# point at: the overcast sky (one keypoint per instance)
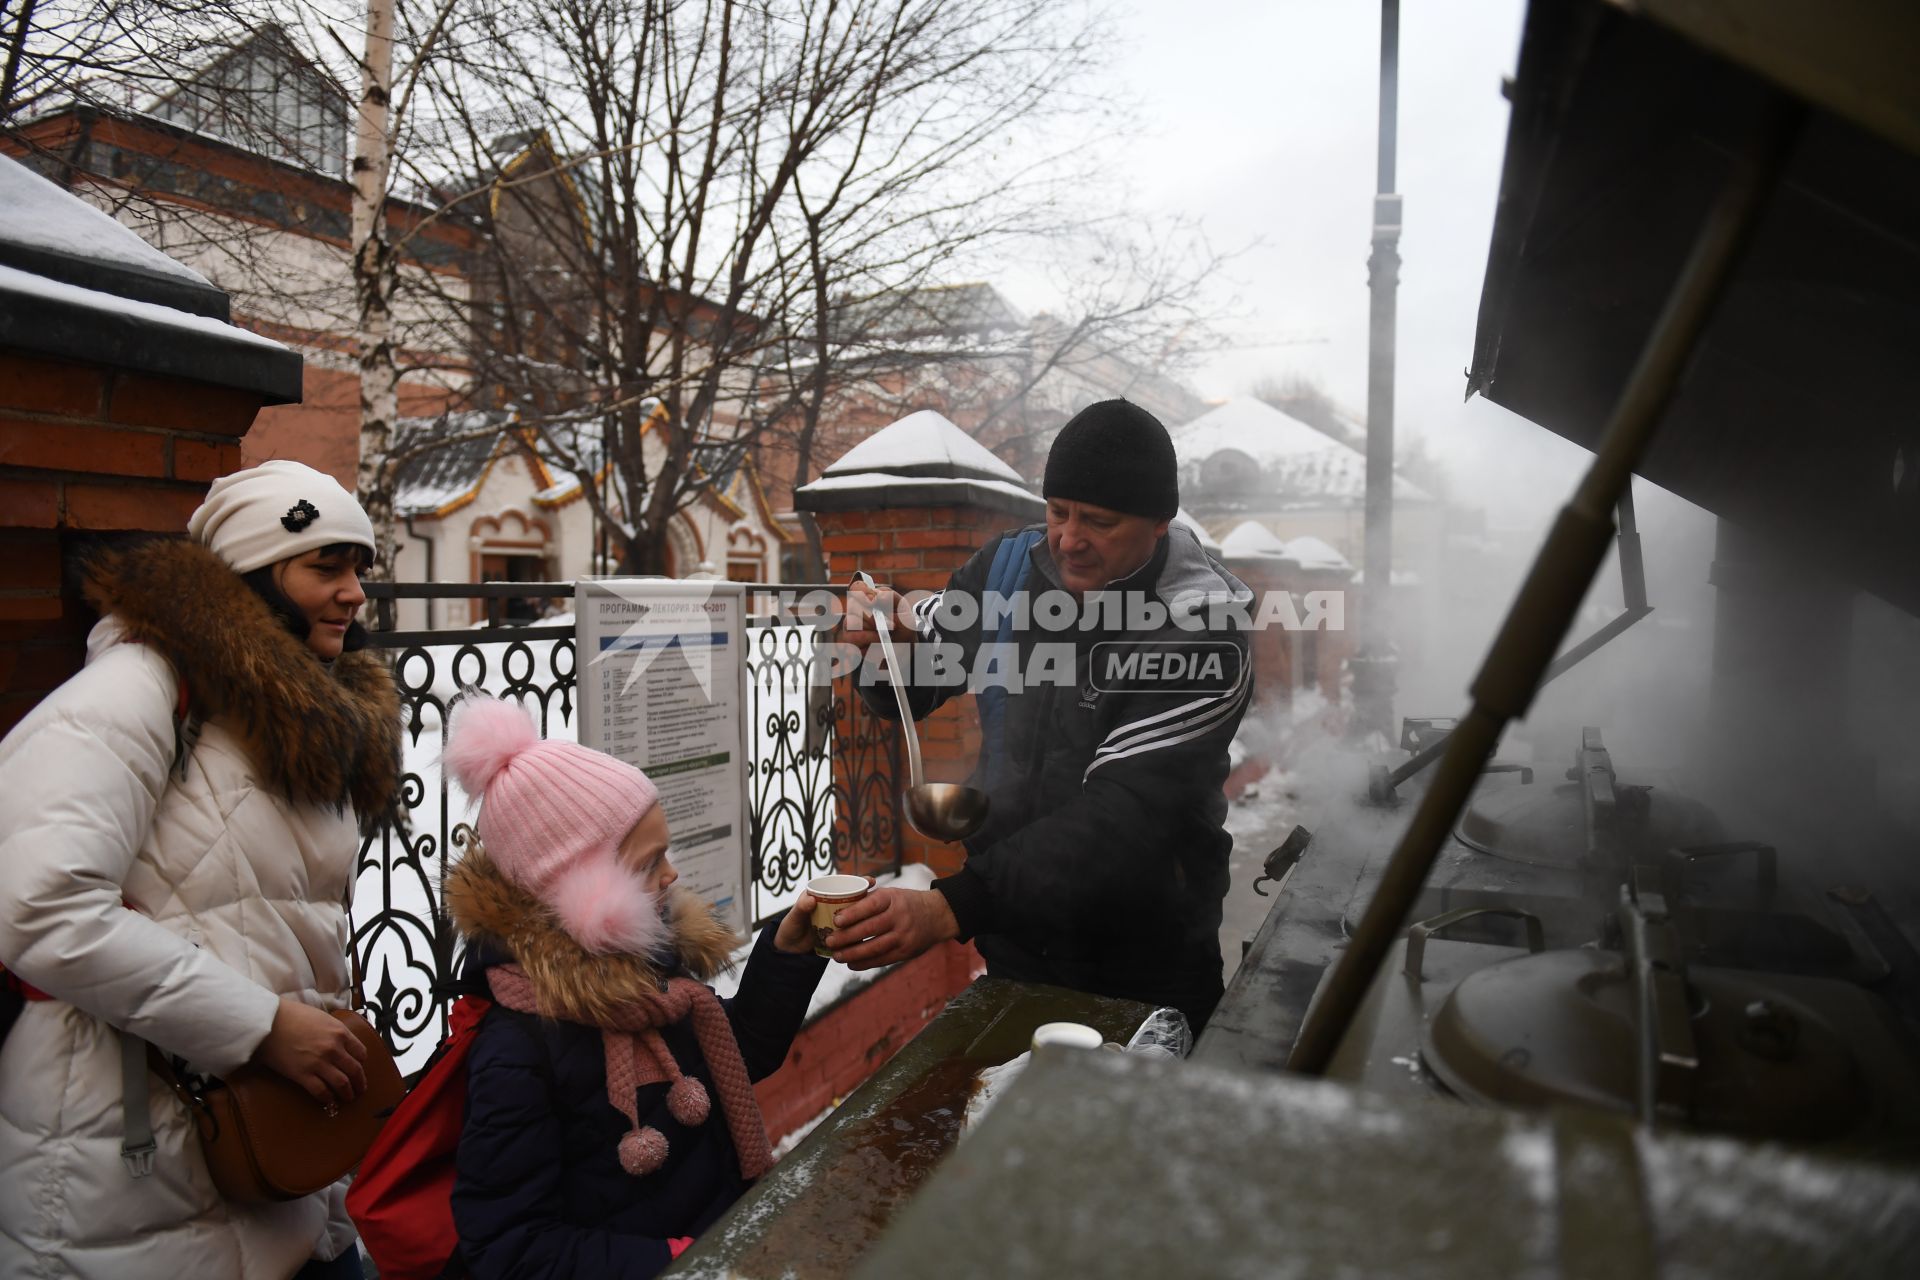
(1258, 118)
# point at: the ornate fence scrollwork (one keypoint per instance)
(408, 950)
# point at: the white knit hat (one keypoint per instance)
(264, 514)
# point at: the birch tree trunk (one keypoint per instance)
(373, 280)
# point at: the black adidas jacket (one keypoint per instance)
(1103, 863)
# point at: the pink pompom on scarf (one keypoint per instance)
(636, 1055)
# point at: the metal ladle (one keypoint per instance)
(945, 811)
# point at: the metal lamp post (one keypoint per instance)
(1373, 664)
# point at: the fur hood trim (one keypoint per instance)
(318, 735)
(571, 983)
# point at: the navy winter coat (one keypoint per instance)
(1103, 862)
(539, 1190)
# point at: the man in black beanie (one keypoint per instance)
(1103, 862)
(1112, 486)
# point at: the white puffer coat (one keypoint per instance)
(237, 866)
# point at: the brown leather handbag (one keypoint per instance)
(265, 1138)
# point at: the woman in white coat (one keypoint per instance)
(184, 878)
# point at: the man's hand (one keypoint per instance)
(311, 1048)
(864, 603)
(891, 925)
(795, 934)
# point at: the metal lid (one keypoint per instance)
(1559, 1027)
(1547, 826)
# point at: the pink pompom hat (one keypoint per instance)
(552, 816)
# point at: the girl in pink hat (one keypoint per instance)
(610, 1107)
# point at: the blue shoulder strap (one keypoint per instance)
(1008, 574)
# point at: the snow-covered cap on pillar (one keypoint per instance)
(1251, 540)
(922, 460)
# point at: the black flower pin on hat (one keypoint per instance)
(299, 516)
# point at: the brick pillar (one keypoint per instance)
(88, 452)
(1271, 649)
(916, 549)
(1335, 647)
(909, 505)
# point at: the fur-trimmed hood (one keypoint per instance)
(573, 984)
(318, 735)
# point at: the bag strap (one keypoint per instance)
(137, 1146)
(137, 1058)
(184, 730)
(136, 1142)
(1008, 574)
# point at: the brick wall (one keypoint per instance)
(323, 430)
(844, 1045)
(86, 454)
(1271, 649)
(913, 549)
(1334, 647)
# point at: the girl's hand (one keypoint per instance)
(313, 1050)
(795, 934)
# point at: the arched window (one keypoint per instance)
(510, 547)
(1229, 473)
(686, 553)
(746, 555)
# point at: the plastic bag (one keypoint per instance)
(1163, 1035)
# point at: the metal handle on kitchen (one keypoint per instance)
(1418, 934)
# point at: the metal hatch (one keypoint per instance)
(1796, 414)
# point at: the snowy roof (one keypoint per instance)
(1251, 538)
(52, 233)
(429, 481)
(90, 324)
(1312, 553)
(925, 443)
(40, 215)
(107, 306)
(1252, 426)
(1199, 530)
(75, 284)
(1295, 460)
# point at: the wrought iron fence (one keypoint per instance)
(406, 945)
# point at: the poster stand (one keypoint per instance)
(662, 684)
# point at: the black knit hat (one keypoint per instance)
(1115, 454)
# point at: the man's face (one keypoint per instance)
(1092, 546)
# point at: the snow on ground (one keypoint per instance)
(793, 1139)
(1266, 806)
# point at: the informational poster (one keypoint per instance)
(662, 684)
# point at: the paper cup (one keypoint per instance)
(1075, 1035)
(830, 893)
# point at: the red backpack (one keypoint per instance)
(402, 1198)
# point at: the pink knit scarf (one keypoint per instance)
(636, 1055)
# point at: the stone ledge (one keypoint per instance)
(878, 490)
